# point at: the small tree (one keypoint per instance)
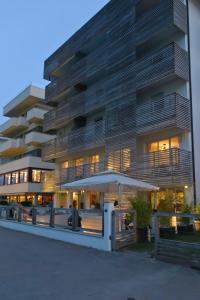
(187, 209)
(166, 205)
(143, 210)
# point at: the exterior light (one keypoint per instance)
(186, 187)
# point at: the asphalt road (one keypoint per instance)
(34, 268)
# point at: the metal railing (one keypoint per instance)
(79, 139)
(87, 221)
(169, 111)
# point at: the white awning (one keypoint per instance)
(109, 181)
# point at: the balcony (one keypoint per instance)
(163, 20)
(12, 126)
(28, 97)
(167, 112)
(12, 147)
(37, 138)
(76, 106)
(84, 40)
(168, 63)
(79, 140)
(77, 73)
(167, 168)
(79, 172)
(36, 115)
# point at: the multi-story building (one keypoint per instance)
(21, 167)
(125, 92)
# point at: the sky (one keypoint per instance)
(30, 31)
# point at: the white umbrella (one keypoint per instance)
(109, 181)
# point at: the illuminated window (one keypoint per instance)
(125, 159)
(24, 176)
(36, 176)
(79, 167)
(161, 155)
(119, 160)
(65, 164)
(8, 179)
(15, 177)
(94, 163)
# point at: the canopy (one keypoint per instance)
(109, 181)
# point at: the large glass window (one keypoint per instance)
(8, 179)
(36, 175)
(15, 177)
(24, 176)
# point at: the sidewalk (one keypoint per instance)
(36, 268)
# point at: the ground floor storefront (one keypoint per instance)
(28, 199)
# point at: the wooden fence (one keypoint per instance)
(178, 247)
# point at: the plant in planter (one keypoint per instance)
(144, 212)
(185, 226)
(166, 205)
(197, 220)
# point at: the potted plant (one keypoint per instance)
(166, 205)
(197, 220)
(185, 226)
(143, 213)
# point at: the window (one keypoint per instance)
(94, 163)
(125, 159)
(24, 176)
(8, 179)
(1, 179)
(65, 164)
(15, 177)
(120, 160)
(36, 175)
(161, 156)
(79, 167)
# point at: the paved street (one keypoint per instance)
(36, 268)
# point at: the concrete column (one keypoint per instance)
(108, 208)
(35, 200)
(68, 199)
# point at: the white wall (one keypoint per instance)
(194, 22)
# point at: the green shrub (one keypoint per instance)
(187, 209)
(143, 210)
(166, 205)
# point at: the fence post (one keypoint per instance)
(52, 218)
(157, 232)
(108, 208)
(19, 219)
(34, 214)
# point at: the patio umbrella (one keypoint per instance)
(109, 181)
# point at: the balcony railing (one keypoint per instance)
(168, 168)
(166, 64)
(79, 72)
(164, 19)
(76, 106)
(80, 139)
(170, 111)
(171, 167)
(79, 172)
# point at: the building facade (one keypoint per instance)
(124, 91)
(21, 168)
